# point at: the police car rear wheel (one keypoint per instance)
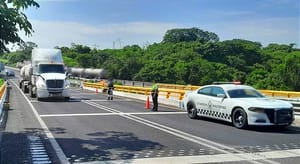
(239, 118)
(192, 111)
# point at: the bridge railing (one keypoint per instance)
(168, 93)
(283, 94)
(181, 89)
(178, 91)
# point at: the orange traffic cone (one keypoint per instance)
(147, 103)
(96, 90)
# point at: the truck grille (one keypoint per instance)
(282, 116)
(55, 84)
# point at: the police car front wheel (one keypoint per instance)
(192, 111)
(239, 118)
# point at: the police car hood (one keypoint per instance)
(264, 102)
(53, 76)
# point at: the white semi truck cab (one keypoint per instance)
(47, 75)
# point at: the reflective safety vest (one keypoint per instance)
(154, 87)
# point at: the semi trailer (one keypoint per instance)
(45, 76)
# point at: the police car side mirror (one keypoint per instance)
(220, 95)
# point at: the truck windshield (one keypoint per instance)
(51, 68)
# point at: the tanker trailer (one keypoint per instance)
(25, 77)
(94, 73)
(76, 72)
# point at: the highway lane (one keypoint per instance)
(90, 128)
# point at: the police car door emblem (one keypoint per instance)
(209, 105)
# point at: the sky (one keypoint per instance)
(117, 23)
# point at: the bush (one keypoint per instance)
(1, 82)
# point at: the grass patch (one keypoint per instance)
(1, 82)
(5, 61)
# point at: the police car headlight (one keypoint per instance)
(258, 110)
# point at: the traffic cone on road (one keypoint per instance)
(147, 103)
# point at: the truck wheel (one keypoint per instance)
(26, 90)
(192, 111)
(32, 95)
(239, 118)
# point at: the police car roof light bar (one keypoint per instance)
(220, 82)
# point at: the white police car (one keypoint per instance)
(240, 104)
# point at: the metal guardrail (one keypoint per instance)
(178, 91)
(183, 88)
(4, 101)
(140, 90)
(285, 94)
(2, 90)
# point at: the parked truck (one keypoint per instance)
(45, 76)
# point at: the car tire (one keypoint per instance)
(32, 95)
(239, 118)
(192, 111)
(26, 90)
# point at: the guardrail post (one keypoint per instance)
(181, 96)
(168, 95)
(6, 102)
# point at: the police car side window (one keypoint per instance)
(217, 90)
(205, 91)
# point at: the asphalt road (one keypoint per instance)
(90, 129)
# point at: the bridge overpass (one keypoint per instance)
(90, 129)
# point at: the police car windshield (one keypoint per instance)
(244, 93)
(51, 68)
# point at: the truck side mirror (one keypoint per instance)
(68, 74)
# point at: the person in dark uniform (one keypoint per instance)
(110, 89)
(154, 94)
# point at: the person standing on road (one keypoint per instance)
(154, 94)
(110, 89)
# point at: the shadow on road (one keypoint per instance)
(265, 129)
(61, 100)
(103, 146)
(100, 146)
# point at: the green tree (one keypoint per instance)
(13, 20)
(189, 35)
(292, 71)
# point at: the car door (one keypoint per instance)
(218, 104)
(202, 100)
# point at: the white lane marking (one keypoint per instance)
(109, 114)
(218, 158)
(198, 140)
(95, 100)
(59, 152)
(154, 125)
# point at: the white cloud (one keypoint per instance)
(265, 31)
(59, 33)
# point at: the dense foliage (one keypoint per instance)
(13, 20)
(197, 58)
(1, 82)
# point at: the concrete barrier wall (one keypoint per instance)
(172, 101)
